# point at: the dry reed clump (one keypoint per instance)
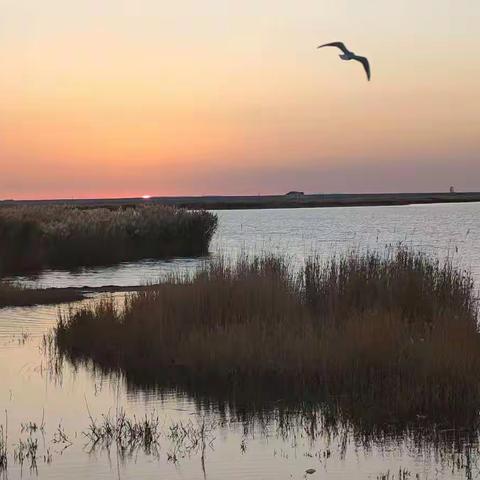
(396, 332)
(36, 237)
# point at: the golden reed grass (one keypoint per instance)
(395, 333)
(36, 237)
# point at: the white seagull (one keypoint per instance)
(348, 55)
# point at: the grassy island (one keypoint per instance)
(37, 237)
(397, 332)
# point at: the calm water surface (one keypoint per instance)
(32, 391)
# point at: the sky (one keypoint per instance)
(117, 98)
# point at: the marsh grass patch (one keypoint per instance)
(37, 237)
(390, 336)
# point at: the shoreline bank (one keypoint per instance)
(25, 297)
(225, 202)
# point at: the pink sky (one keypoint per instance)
(125, 98)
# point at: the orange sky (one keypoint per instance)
(123, 98)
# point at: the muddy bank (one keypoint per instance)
(17, 296)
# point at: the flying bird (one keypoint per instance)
(348, 55)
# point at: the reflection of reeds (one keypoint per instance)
(56, 236)
(395, 333)
(26, 451)
(401, 474)
(3, 446)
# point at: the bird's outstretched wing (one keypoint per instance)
(339, 45)
(366, 65)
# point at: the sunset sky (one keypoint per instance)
(128, 97)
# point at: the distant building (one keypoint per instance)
(452, 190)
(295, 194)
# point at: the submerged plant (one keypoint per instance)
(3, 446)
(189, 437)
(128, 434)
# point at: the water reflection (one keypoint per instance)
(250, 434)
(145, 431)
(332, 435)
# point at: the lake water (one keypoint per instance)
(62, 400)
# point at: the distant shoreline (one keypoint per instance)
(266, 201)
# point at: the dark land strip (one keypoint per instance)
(26, 297)
(266, 201)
